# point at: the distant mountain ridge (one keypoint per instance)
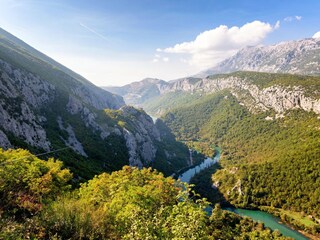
(295, 57)
(137, 92)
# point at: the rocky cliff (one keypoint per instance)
(45, 107)
(278, 97)
(293, 57)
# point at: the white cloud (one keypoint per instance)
(165, 59)
(158, 58)
(212, 46)
(316, 35)
(292, 18)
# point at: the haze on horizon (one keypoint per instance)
(117, 42)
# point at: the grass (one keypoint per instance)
(305, 220)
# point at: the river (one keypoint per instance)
(268, 219)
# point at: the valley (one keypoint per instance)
(267, 125)
(140, 161)
(267, 219)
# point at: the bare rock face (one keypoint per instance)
(26, 99)
(22, 92)
(277, 98)
(76, 106)
(98, 98)
(298, 57)
(141, 142)
(4, 141)
(72, 140)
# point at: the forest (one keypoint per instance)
(275, 163)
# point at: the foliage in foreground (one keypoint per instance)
(127, 204)
(27, 183)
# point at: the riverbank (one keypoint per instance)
(203, 185)
(307, 225)
(177, 174)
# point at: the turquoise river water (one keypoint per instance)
(268, 219)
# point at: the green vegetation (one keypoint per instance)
(159, 105)
(171, 101)
(164, 161)
(26, 182)
(310, 84)
(203, 185)
(90, 124)
(37, 203)
(299, 220)
(274, 163)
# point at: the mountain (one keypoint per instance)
(45, 107)
(296, 57)
(267, 125)
(138, 92)
(257, 91)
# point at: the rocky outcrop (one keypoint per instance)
(97, 97)
(72, 140)
(4, 141)
(277, 98)
(30, 107)
(21, 94)
(142, 137)
(76, 106)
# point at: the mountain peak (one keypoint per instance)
(296, 57)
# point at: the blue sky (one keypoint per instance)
(114, 42)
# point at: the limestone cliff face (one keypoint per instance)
(26, 100)
(45, 106)
(22, 93)
(277, 98)
(142, 137)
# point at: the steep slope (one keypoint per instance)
(257, 91)
(265, 162)
(268, 128)
(296, 57)
(45, 107)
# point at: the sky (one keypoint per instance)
(115, 42)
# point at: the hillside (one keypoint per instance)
(46, 107)
(259, 92)
(268, 128)
(294, 57)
